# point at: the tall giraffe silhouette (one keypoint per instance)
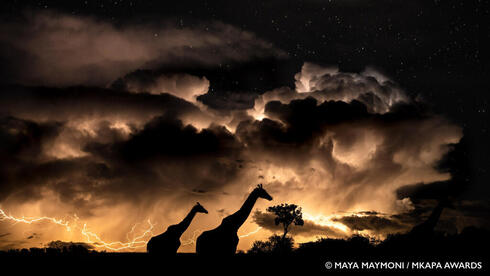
(168, 242)
(223, 240)
(426, 228)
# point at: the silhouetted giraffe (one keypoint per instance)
(426, 228)
(223, 240)
(168, 242)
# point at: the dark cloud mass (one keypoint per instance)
(21, 150)
(373, 223)
(58, 49)
(89, 103)
(168, 137)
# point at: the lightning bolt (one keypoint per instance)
(250, 233)
(31, 220)
(192, 240)
(135, 242)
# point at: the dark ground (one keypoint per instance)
(141, 263)
(471, 247)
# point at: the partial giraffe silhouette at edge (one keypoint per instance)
(426, 228)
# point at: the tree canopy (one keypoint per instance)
(287, 214)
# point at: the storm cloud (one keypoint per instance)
(131, 144)
(185, 86)
(375, 223)
(370, 87)
(50, 48)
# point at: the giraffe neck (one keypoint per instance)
(434, 217)
(184, 224)
(239, 217)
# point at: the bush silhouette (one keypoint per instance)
(355, 245)
(68, 248)
(275, 245)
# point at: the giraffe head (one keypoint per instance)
(199, 209)
(262, 193)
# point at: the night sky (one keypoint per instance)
(124, 109)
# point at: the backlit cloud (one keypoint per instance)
(156, 142)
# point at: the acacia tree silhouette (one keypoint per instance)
(287, 214)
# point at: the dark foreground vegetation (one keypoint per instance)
(274, 255)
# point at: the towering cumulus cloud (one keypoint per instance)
(328, 84)
(342, 141)
(338, 144)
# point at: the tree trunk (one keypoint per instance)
(285, 233)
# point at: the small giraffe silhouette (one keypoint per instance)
(223, 240)
(426, 228)
(168, 243)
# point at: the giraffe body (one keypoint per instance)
(167, 243)
(223, 240)
(218, 241)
